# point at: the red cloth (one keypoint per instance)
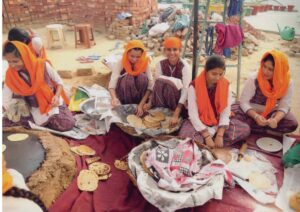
(228, 36)
(119, 194)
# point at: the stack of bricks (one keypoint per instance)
(99, 13)
(121, 29)
(31, 13)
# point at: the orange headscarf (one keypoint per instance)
(36, 69)
(172, 42)
(206, 113)
(281, 80)
(6, 177)
(141, 65)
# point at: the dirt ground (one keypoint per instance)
(65, 59)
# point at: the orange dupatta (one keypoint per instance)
(36, 69)
(6, 177)
(206, 113)
(281, 80)
(141, 65)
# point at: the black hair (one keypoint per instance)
(18, 34)
(270, 58)
(11, 48)
(22, 193)
(213, 62)
(137, 49)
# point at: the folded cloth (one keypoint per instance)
(228, 36)
(182, 168)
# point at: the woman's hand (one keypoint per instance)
(219, 141)
(209, 141)
(261, 121)
(139, 110)
(55, 101)
(115, 102)
(147, 106)
(174, 121)
(272, 122)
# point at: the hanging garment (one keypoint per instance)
(209, 40)
(228, 36)
(234, 8)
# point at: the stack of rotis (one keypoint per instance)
(153, 120)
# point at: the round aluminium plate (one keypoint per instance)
(269, 144)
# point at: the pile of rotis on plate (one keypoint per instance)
(88, 179)
(154, 120)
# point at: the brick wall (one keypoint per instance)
(99, 13)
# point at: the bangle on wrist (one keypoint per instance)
(256, 116)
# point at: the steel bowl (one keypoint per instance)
(88, 107)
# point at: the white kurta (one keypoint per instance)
(284, 104)
(38, 118)
(186, 79)
(116, 73)
(194, 114)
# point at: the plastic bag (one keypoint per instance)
(292, 156)
(182, 21)
(159, 29)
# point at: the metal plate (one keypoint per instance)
(269, 144)
(24, 156)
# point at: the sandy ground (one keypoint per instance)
(65, 59)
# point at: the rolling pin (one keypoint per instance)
(242, 151)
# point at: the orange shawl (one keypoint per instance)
(6, 177)
(36, 69)
(141, 65)
(281, 80)
(206, 113)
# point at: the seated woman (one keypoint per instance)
(31, 39)
(16, 195)
(41, 87)
(209, 103)
(266, 99)
(173, 76)
(131, 80)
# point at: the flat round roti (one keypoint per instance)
(17, 137)
(87, 180)
(259, 181)
(100, 168)
(158, 115)
(83, 150)
(135, 121)
(151, 124)
(3, 147)
(151, 119)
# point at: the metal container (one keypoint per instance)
(89, 108)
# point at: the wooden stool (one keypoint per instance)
(55, 35)
(85, 35)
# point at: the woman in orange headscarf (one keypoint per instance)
(266, 99)
(31, 39)
(209, 107)
(131, 80)
(172, 79)
(16, 195)
(38, 84)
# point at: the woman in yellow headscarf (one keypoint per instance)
(131, 80)
(266, 99)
